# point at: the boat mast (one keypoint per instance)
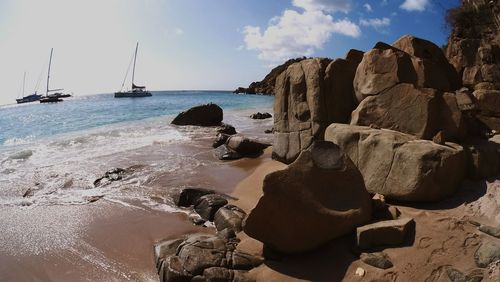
(133, 70)
(24, 82)
(48, 73)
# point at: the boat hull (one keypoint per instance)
(133, 94)
(50, 100)
(28, 99)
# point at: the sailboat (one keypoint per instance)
(55, 97)
(30, 98)
(136, 91)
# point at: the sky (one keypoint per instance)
(191, 44)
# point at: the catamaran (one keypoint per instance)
(55, 97)
(136, 91)
(30, 98)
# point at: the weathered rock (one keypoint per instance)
(187, 197)
(487, 253)
(201, 251)
(172, 270)
(483, 158)
(229, 216)
(432, 66)
(490, 230)
(489, 102)
(384, 233)
(398, 166)
(165, 249)
(203, 115)
(243, 261)
(309, 96)
(219, 274)
(220, 139)
(260, 115)
(226, 129)
(378, 260)
(245, 146)
(208, 205)
(224, 153)
(382, 68)
(319, 197)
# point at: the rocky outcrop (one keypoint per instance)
(319, 197)
(398, 165)
(474, 44)
(266, 86)
(384, 233)
(204, 257)
(310, 95)
(203, 115)
(260, 115)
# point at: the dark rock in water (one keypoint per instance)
(227, 129)
(319, 197)
(112, 175)
(203, 115)
(384, 233)
(379, 260)
(172, 269)
(229, 217)
(224, 153)
(208, 205)
(165, 249)
(487, 253)
(189, 196)
(220, 139)
(199, 252)
(490, 230)
(269, 131)
(260, 115)
(245, 146)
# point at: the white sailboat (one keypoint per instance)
(135, 91)
(55, 97)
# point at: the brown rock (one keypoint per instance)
(319, 197)
(378, 260)
(489, 102)
(398, 166)
(309, 96)
(208, 205)
(384, 233)
(483, 158)
(245, 146)
(229, 216)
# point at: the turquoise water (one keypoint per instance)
(26, 123)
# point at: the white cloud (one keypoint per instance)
(324, 5)
(414, 5)
(368, 7)
(296, 34)
(375, 23)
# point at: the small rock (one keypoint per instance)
(487, 253)
(189, 196)
(455, 275)
(208, 205)
(220, 139)
(197, 220)
(490, 230)
(268, 131)
(226, 129)
(360, 272)
(245, 146)
(261, 115)
(224, 153)
(92, 199)
(389, 232)
(379, 260)
(28, 193)
(439, 138)
(230, 217)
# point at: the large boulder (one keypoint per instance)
(203, 115)
(310, 95)
(245, 146)
(319, 197)
(398, 165)
(422, 112)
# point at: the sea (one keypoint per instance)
(50, 154)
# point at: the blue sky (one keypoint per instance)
(192, 44)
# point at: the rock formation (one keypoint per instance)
(398, 165)
(319, 197)
(474, 50)
(266, 86)
(310, 95)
